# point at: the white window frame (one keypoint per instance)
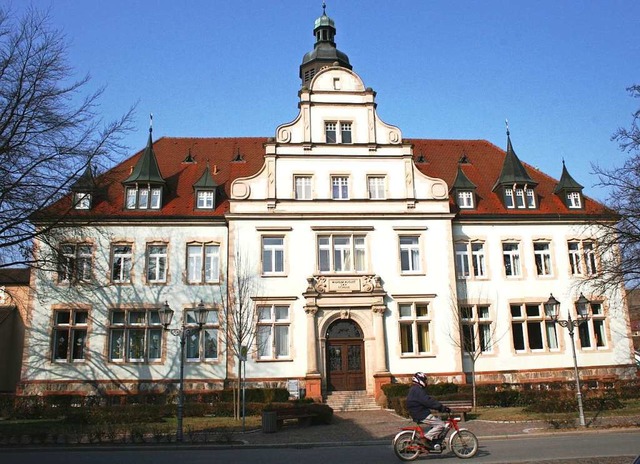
(376, 187)
(203, 343)
(335, 257)
(204, 199)
(303, 187)
(574, 200)
(273, 254)
(122, 260)
(75, 262)
(71, 333)
(519, 198)
(543, 258)
(273, 325)
(512, 263)
(471, 262)
(157, 262)
(203, 263)
(534, 326)
(339, 187)
(82, 200)
(583, 257)
(465, 199)
(120, 337)
(410, 256)
(592, 334)
(342, 132)
(147, 197)
(414, 328)
(477, 328)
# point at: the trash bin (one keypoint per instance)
(269, 421)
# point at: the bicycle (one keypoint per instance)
(410, 442)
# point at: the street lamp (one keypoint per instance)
(551, 309)
(166, 314)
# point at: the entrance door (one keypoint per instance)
(345, 356)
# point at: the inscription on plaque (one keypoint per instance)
(344, 285)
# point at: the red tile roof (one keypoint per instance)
(442, 156)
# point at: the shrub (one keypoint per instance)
(396, 390)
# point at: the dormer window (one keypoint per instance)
(143, 197)
(464, 199)
(205, 199)
(574, 200)
(337, 132)
(519, 197)
(82, 200)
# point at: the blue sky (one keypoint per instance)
(556, 69)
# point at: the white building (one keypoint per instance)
(375, 257)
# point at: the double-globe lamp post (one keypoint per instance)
(166, 314)
(552, 309)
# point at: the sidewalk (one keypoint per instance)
(377, 426)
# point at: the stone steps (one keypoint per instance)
(351, 401)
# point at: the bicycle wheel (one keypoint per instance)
(405, 447)
(464, 444)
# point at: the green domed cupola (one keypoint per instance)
(324, 52)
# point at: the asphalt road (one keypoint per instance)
(619, 447)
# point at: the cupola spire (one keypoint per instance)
(324, 51)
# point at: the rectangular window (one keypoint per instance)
(574, 200)
(583, 259)
(69, 335)
(338, 132)
(121, 256)
(203, 263)
(135, 335)
(508, 198)
(345, 132)
(341, 253)
(478, 259)
(131, 200)
(476, 329)
(410, 254)
(273, 332)
(202, 345)
(330, 132)
(519, 198)
(465, 199)
(156, 195)
(592, 333)
(204, 199)
(340, 188)
(272, 255)
(143, 198)
(156, 263)
(531, 198)
(82, 200)
(511, 259)
(75, 263)
(531, 329)
(462, 260)
(376, 187)
(542, 254)
(303, 187)
(414, 323)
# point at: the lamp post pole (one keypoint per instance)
(166, 314)
(552, 307)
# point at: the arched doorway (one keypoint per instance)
(345, 356)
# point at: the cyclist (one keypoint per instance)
(420, 404)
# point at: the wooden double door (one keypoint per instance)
(345, 357)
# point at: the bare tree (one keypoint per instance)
(49, 132)
(620, 233)
(239, 314)
(477, 334)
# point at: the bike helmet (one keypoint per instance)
(420, 378)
